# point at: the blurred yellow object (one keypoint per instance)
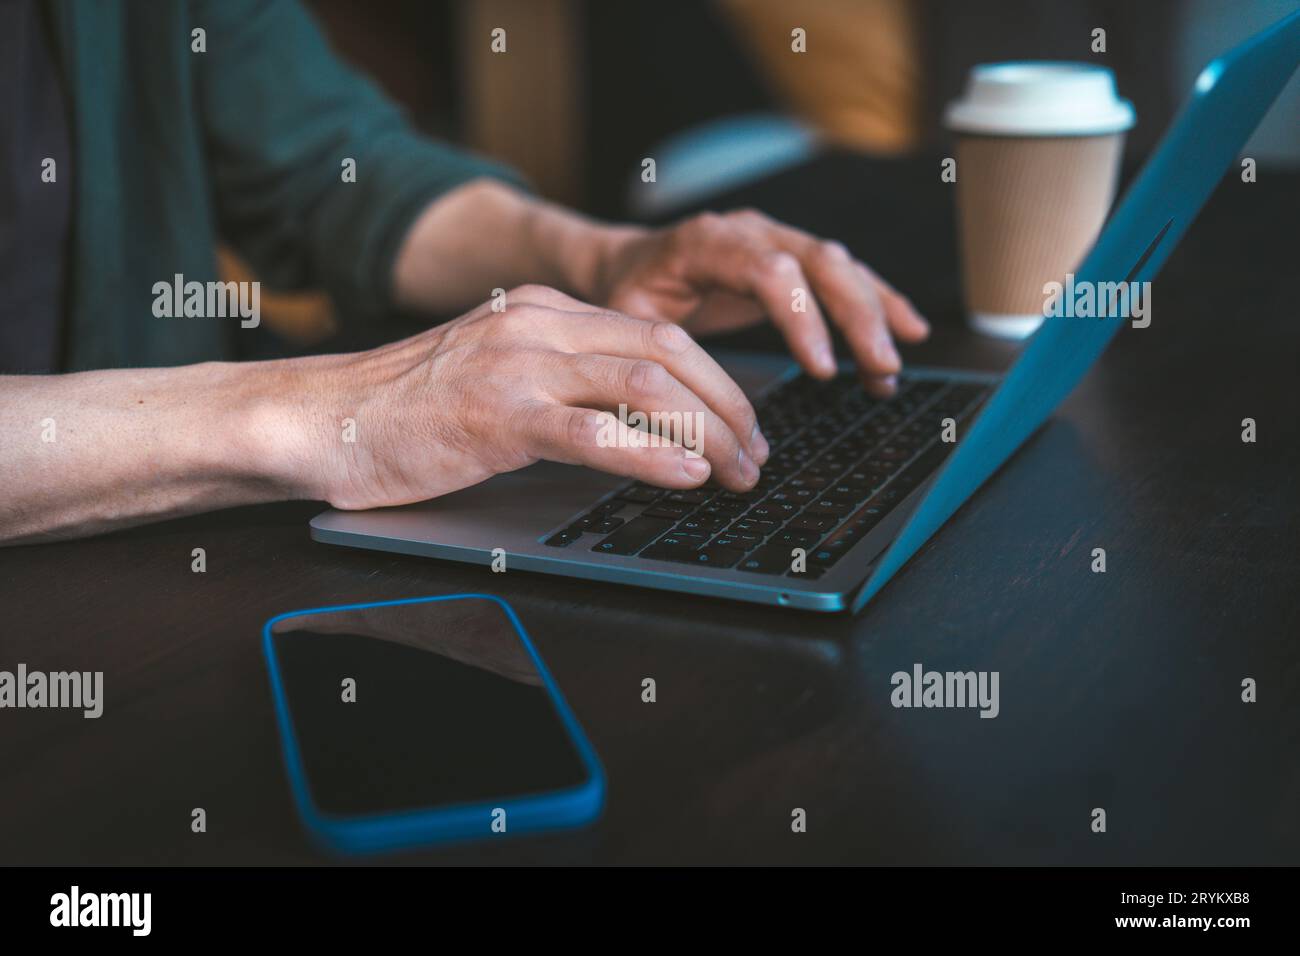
(301, 318)
(859, 79)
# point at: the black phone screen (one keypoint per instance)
(414, 706)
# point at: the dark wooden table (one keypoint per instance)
(1118, 690)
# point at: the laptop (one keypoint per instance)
(854, 485)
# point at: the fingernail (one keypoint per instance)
(825, 359)
(759, 445)
(887, 355)
(748, 470)
(696, 468)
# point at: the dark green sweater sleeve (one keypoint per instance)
(281, 115)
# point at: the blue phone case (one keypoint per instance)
(371, 833)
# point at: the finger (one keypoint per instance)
(779, 283)
(737, 255)
(860, 303)
(906, 323)
(597, 439)
(612, 333)
(669, 409)
(855, 307)
(819, 257)
(881, 386)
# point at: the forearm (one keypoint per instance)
(93, 451)
(486, 235)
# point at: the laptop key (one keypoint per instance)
(675, 539)
(664, 509)
(773, 511)
(641, 494)
(692, 497)
(814, 482)
(828, 554)
(563, 539)
(795, 539)
(810, 523)
(769, 559)
(754, 526)
(800, 495)
(699, 524)
(663, 550)
(891, 495)
(598, 523)
(870, 472)
(869, 517)
(831, 506)
(729, 509)
(849, 491)
(633, 536)
(718, 557)
(737, 497)
(712, 556)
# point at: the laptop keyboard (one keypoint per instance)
(840, 462)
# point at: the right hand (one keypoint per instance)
(492, 392)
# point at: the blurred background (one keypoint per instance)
(714, 93)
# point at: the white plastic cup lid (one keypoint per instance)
(1040, 98)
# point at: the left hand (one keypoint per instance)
(716, 273)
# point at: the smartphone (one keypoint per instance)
(424, 721)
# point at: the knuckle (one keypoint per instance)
(581, 427)
(778, 265)
(645, 377)
(748, 215)
(533, 292)
(604, 374)
(522, 426)
(782, 261)
(516, 319)
(669, 337)
(706, 223)
(829, 252)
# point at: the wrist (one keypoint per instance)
(609, 257)
(577, 253)
(283, 427)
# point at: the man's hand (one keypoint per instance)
(490, 392)
(714, 273)
(495, 391)
(710, 273)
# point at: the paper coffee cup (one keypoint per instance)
(1038, 153)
